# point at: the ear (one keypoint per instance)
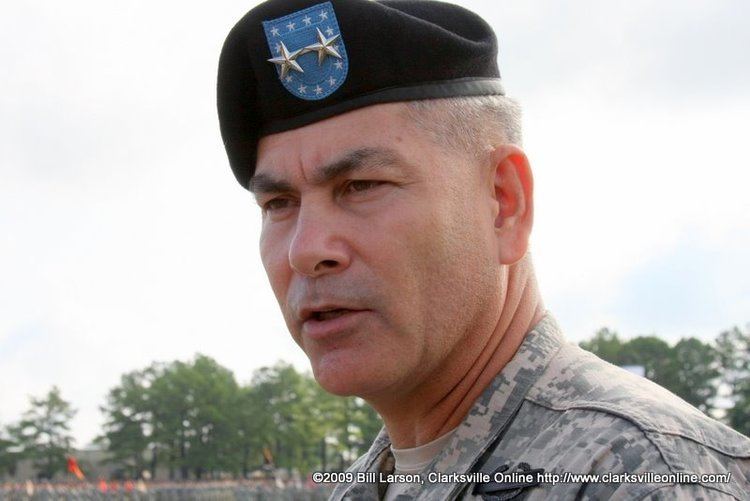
(513, 190)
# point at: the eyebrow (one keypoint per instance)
(361, 159)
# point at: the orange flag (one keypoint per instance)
(74, 468)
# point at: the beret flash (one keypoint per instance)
(290, 63)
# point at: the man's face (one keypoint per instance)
(379, 247)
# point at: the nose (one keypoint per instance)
(317, 247)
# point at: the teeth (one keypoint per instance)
(328, 315)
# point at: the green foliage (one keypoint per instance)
(43, 434)
(654, 355)
(304, 426)
(192, 408)
(128, 426)
(733, 347)
(605, 344)
(183, 413)
(695, 372)
(8, 457)
(194, 418)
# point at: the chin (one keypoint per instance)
(345, 375)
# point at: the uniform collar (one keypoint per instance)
(483, 425)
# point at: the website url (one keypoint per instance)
(634, 478)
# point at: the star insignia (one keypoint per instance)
(324, 47)
(287, 61)
(311, 30)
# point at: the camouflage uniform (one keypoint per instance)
(558, 408)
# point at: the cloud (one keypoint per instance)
(691, 289)
(631, 51)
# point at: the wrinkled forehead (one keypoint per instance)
(378, 127)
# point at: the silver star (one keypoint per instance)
(307, 20)
(331, 81)
(323, 47)
(302, 89)
(323, 15)
(286, 61)
(339, 65)
(318, 89)
(329, 31)
(275, 32)
(290, 25)
(289, 78)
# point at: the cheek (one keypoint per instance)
(274, 255)
(455, 261)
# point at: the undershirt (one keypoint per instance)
(414, 460)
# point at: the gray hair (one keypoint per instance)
(468, 124)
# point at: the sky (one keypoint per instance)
(124, 238)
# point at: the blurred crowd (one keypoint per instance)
(168, 491)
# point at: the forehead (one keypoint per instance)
(383, 125)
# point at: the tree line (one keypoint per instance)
(194, 420)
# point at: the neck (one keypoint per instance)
(441, 403)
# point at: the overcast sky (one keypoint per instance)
(124, 238)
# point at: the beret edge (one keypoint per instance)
(460, 87)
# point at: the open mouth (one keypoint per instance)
(329, 314)
(330, 322)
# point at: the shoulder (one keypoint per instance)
(578, 380)
(584, 415)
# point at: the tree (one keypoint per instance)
(195, 418)
(349, 424)
(192, 405)
(733, 347)
(8, 457)
(605, 344)
(43, 434)
(253, 426)
(214, 393)
(696, 373)
(654, 355)
(129, 422)
(293, 429)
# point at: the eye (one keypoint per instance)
(360, 185)
(276, 204)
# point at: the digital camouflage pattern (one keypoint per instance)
(559, 408)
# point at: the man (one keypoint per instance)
(397, 205)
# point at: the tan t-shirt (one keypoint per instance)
(414, 460)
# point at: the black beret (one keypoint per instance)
(289, 63)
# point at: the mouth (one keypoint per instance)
(326, 322)
(329, 314)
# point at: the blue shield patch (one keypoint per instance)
(308, 51)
